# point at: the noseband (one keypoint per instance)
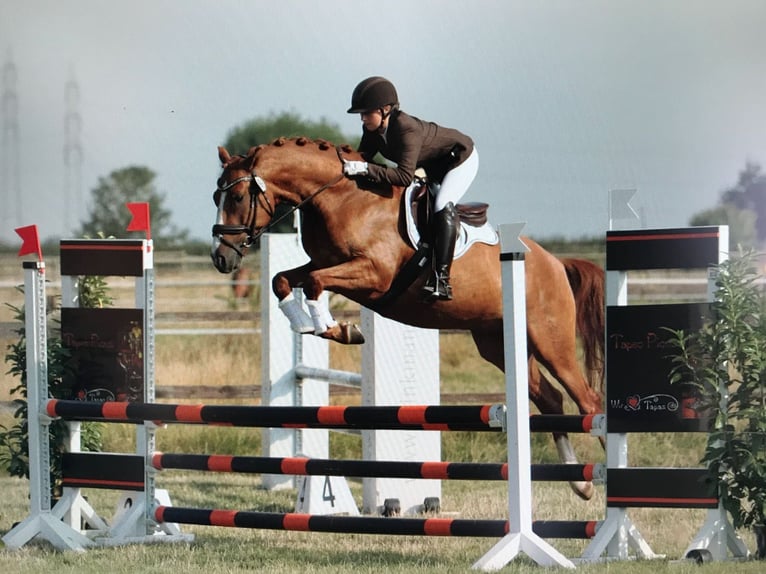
(252, 234)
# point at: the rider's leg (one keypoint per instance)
(446, 224)
(445, 234)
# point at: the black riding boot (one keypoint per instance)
(445, 234)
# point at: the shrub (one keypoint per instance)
(726, 362)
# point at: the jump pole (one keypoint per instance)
(282, 350)
(400, 366)
(520, 536)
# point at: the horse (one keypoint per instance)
(357, 243)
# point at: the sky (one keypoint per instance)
(565, 100)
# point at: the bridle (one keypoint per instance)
(219, 229)
(251, 232)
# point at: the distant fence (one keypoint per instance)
(247, 322)
(220, 314)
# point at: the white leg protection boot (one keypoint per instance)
(300, 322)
(320, 315)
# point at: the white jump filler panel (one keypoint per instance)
(279, 388)
(400, 366)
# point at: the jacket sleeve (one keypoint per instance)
(407, 149)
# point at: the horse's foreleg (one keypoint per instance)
(282, 285)
(321, 318)
(327, 327)
(318, 321)
(357, 276)
(349, 277)
(300, 321)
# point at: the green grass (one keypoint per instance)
(226, 550)
(237, 550)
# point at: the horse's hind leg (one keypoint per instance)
(542, 393)
(549, 400)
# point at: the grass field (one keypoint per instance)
(198, 360)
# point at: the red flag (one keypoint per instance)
(140, 221)
(30, 241)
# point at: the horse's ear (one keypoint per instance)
(251, 157)
(223, 155)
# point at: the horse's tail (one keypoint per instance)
(587, 282)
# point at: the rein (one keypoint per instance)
(253, 234)
(294, 208)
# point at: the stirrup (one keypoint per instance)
(437, 288)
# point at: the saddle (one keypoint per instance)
(473, 213)
(418, 207)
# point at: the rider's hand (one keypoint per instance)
(351, 168)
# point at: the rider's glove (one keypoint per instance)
(351, 168)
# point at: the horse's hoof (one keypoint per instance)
(350, 334)
(583, 489)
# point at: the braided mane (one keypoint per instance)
(301, 141)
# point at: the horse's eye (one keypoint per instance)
(239, 198)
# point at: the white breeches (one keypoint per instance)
(457, 181)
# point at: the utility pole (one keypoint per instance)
(10, 185)
(73, 156)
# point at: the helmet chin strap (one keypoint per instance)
(384, 116)
(385, 113)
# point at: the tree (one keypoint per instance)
(265, 130)
(741, 224)
(725, 361)
(109, 216)
(750, 193)
(287, 124)
(741, 207)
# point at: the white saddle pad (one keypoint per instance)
(467, 235)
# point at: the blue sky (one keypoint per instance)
(566, 100)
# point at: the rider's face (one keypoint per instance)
(372, 120)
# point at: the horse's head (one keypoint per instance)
(293, 171)
(244, 208)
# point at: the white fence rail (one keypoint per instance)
(193, 299)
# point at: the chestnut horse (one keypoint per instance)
(357, 244)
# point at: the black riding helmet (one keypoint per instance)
(372, 94)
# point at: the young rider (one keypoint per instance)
(447, 155)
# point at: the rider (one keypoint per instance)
(447, 155)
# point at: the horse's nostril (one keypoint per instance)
(219, 261)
